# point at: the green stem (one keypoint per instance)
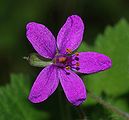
(109, 106)
(64, 108)
(60, 104)
(82, 114)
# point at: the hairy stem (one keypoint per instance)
(109, 106)
(64, 107)
(82, 114)
(61, 105)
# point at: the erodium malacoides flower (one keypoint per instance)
(64, 63)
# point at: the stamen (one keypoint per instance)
(76, 58)
(67, 67)
(77, 68)
(77, 64)
(76, 53)
(68, 50)
(67, 72)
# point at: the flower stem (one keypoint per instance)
(82, 114)
(60, 104)
(64, 107)
(109, 106)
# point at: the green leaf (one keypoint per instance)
(113, 43)
(14, 104)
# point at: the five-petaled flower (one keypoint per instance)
(64, 63)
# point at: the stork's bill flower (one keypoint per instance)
(64, 63)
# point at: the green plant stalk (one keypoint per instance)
(109, 106)
(61, 105)
(64, 108)
(81, 112)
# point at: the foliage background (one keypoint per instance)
(106, 31)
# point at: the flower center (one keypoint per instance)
(67, 61)
(62, 61)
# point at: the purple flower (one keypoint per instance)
(64, 63)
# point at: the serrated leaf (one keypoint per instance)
(14, 104)
(115, 44)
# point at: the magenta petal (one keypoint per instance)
(73, 86)
(92, 62)
(70, 35)
(41, 39)
(45, 84)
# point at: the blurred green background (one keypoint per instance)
(106, 31)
